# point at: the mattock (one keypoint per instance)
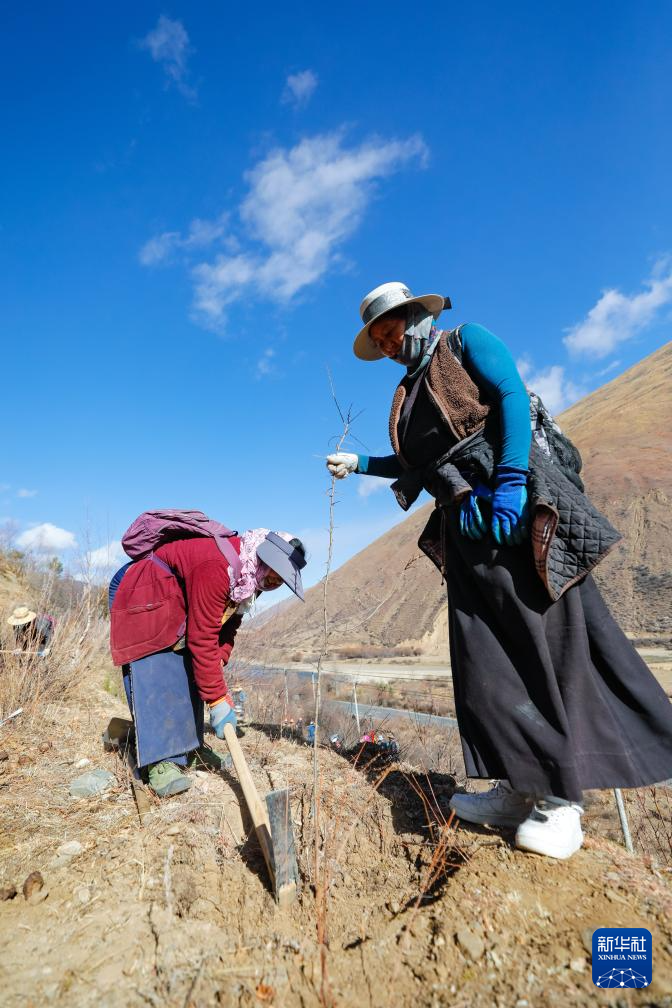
(273, 826)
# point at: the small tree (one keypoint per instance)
(55, 566)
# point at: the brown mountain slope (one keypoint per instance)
(389, 595)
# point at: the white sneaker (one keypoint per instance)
(500, 806)
(553, 828)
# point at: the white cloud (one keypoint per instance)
(299, 88)
(265, 364)
(168, 44)
(107, 558)
(46, 538)
(609, 368)
(616, 317)
(159, 248)
(201, 234)
(556, 390)
(26, 493)
(302, 204)
(367, 485)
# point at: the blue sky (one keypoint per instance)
(196, 197)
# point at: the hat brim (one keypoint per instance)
(366, 349)
(16, 621)
(274, 557)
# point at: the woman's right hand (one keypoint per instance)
(222, 713)
(341, 464)
(472, 522)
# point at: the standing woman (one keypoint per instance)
(551, 697)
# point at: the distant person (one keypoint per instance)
(551, 697)
(33, 631)
(174, 617)
(310, 732)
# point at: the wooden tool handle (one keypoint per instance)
(257, 807)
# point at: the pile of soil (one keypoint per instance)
(177, 911)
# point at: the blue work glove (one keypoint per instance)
(472, 522)
(222, 713)
(509, 506)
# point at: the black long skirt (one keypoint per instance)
(551, 696)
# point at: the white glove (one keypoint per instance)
(341, 464)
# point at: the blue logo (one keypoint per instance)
(622, 957)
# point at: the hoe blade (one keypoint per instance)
(282, 842)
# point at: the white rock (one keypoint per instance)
(69, 849)
(82, 763)
(83, 895)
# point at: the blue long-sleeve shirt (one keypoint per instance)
(490, 365)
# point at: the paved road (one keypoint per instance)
(362, 673)
(379, 713)
(364, 709)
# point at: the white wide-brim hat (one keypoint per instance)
(22, 614)
(383, 299)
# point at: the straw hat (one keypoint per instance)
(22, 614)
(383, 299)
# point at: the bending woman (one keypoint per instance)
(551, 697)
(169, 673)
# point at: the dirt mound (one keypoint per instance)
(390, 596)
(177, 912)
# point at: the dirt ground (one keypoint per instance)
(177, 911)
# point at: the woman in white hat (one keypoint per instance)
(551, 697)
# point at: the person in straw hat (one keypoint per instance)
(33, 632)
(551, 697)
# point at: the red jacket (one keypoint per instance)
(149, 610)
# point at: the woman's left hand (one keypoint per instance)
(510, 506)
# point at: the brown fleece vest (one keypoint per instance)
(456, 397)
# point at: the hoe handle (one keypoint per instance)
(257, 808)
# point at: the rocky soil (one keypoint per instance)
(176, 911)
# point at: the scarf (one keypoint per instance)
(419, 336)
(252, 570)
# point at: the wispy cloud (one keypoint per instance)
(46, 538)
(107, 558)
(367, 485)
(299, 88)
(617, 317)
(201, 234)
(265, 364)
(26, 493)
(552, 384)
(168, 44)
(302, 204)
(609, 368)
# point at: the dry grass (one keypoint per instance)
(30, 681)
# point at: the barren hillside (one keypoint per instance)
(176, 911)
(389, 596)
